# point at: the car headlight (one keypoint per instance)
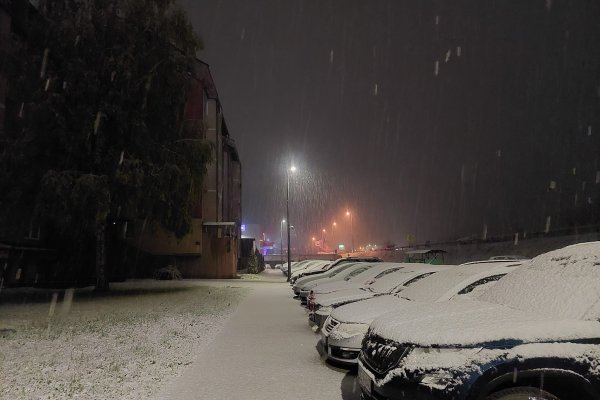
(347, 330)
(439, 380)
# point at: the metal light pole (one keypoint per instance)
(287, 217)
(323, 240)
(281, 240)
(348, 213)
(333, 225)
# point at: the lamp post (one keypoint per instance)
(323, 240)
(349, 214)
(281, 240)
(287, 217)
(333, 225)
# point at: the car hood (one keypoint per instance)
(471, 323)
(334, 286)
(365, 311)
(343, 296)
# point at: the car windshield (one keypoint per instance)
(339, 269)
(354, 274)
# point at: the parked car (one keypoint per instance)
(312, 266)
(390, 281)
(363, 280)
(339, 273)
(334, 264)
(534, 335)
(347, 325)
(294, 266)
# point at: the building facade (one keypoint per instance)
(212, 248)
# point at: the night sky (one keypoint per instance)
(441, 119)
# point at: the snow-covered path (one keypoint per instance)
(265, 351)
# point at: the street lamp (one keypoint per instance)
(333, 225)
(323, 239)
(349, 214)
(287, 216)
(281, 240)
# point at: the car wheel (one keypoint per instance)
(522, 393)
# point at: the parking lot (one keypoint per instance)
(265, 351)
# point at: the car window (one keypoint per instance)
(480, 285)
(417, 278)
(339, 269)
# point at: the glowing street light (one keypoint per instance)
(287, 216)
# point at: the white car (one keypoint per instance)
(344, 330)
(384, 283)
(304, 285)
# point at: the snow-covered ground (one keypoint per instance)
(124, 345)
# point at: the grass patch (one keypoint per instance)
(117, 345)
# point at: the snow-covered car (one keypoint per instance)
(314, 266)
(344, 330)
(294, 266)
(533, 335)
(362, 280)
(390, 281)
(305, 284)
(330, 265)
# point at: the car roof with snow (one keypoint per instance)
(444, 284)
(399, 279)
(375, 269)
(385, 283)
(365, 311)
(348, 270)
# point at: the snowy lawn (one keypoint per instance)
(125, 344)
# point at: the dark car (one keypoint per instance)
(534, 335)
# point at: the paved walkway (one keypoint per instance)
(265, 351)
